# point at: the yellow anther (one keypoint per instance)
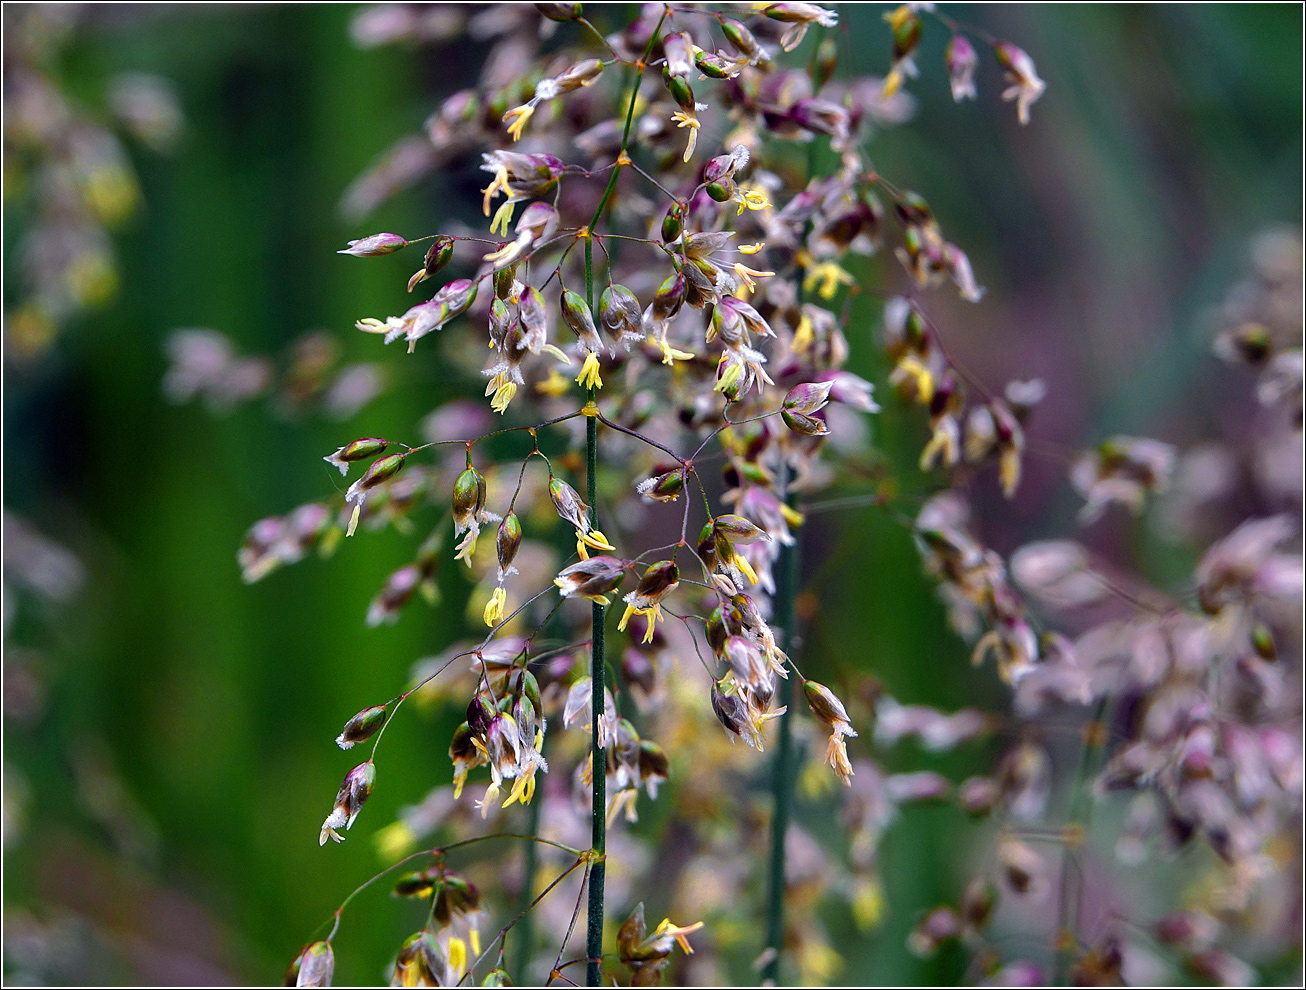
(519, 117)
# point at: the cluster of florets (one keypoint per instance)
(713, 322)
(1191, 714)
(714, 335)
(973, 434)
(716, 317)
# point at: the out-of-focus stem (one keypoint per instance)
(1076, 832)
(782, 774)
(786, 586)
(525, 938)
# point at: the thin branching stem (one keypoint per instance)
(598, 767)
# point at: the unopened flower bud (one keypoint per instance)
(420, 962)
(457, 897)
(638, 671)
(417, 884)
(658, 582)
(394, 595)
(730, 711)
(808, 397)
(712, 66)
(679, 89)
(821, 117)
(1221, 968)
(362, 726)
(439, 254)
(824, 704)
(313, 967)
(468, 497)
(715, 630)
(503, 280)
(663, 487)
(1025, 871)
(807, 426)
(631, 934)
(581, 74)
(524, 683)
(506, 543)
(592, 579)
(912, 208)
(353, 792)
(561, 12)
(620, 313)
(1248, 342)
(739, 529)
(375, 246)
(576, 313)
(905, 25)
(722, 191)
(724, 167)
(673, 222)
(677, 49)
(458, 295)
(569, 504)
(801, 13)
(356, 451)
(532, 314)
(377, 472)
(1190, 931)
(670, 296)
(740, 38)
(478, 716)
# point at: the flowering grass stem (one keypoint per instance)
(525, 938)
(782, 776)
(598, 667)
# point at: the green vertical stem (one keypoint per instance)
(598, 666)
(598, 754)
(786, 760)
(525, 928)
(599, 767)
(782, 776)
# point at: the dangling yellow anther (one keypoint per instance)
(589, 372)
(494, 607)
(826, 277)
(687, 118)
(519, 117)
(500, 183)
(502, 217)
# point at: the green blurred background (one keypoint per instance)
(161, 805)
